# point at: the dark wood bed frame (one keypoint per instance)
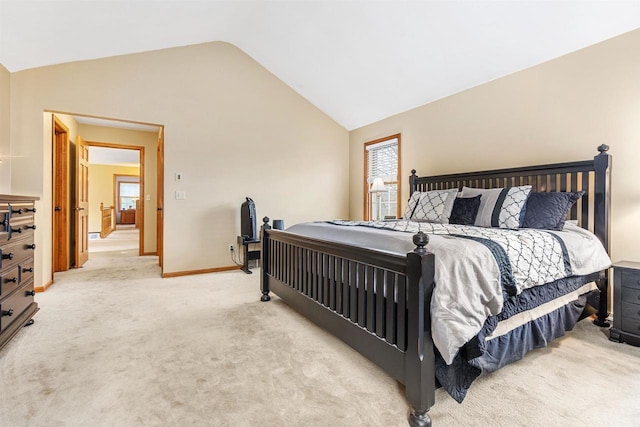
(379, 303)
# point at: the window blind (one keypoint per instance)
(382, 161)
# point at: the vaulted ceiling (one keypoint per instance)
(358, 61)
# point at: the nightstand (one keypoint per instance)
(626, 303)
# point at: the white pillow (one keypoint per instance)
(500, 207)
(413, 201)
(434, 206)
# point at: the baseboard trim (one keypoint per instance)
(203, 271)
(43, 287)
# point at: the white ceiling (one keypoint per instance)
(113, 156)
(358, 61)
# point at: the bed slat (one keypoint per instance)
(379, 317)
(362, 297)
(371, 302)
(391, 292)
(353, 288)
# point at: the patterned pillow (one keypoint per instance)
(500, 207)
(413, 201)
(434, 206)
(548, 211)
(465, 210)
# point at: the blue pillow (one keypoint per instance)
(548, 211)
(465, 210)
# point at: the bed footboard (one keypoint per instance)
(377, 303)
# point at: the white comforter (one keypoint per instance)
(468, 281)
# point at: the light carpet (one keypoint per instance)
(124, 239)
(116, 345)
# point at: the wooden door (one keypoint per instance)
(82, 203)
(160, 197)
(60, 214)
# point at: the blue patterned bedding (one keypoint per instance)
(482, 275)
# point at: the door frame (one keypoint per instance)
(65, 182)
(160, 199)
(140, 150)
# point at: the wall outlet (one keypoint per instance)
(231, 248)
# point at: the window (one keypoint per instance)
(128, 193)
(381, 184)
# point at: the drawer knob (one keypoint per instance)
(12, 280)
(31, 246)
(16, 230)
(18, 211)
(27, 270)
(30, 293)
(31, 210)
(7, 256)
(7, 312)
(30, 227)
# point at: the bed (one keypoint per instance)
(379, 286)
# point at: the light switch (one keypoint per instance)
(178, 176)
(181, 194)
(148, 197)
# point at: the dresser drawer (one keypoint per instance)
(630, 279)
(631, 326)
(25, 270)
(9, 280)
(631, 295)
(14, 252)
(12, 306)
(20, 216)
(631, 311)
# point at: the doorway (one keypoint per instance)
(117, 188)
(67, 180)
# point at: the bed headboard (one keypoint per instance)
(592, 176)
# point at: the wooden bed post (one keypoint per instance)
(419, 357)
(601, 226)
(264, 257)
(412, 182)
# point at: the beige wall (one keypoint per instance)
(5, 148)
(101, 190)
(555, 112)
(231, 127)
(148, 140)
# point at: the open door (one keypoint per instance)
(160, 197)
(60, 214)
(82, 203)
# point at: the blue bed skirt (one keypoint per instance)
(480, 356)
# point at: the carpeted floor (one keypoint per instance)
(116, 345)
(124, 239)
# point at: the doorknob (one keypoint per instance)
(57, 209)
(79, 209)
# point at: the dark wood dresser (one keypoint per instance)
(17, 305)
(626, 303)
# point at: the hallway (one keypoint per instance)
(122, 242)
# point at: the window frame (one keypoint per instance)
(367, 215)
